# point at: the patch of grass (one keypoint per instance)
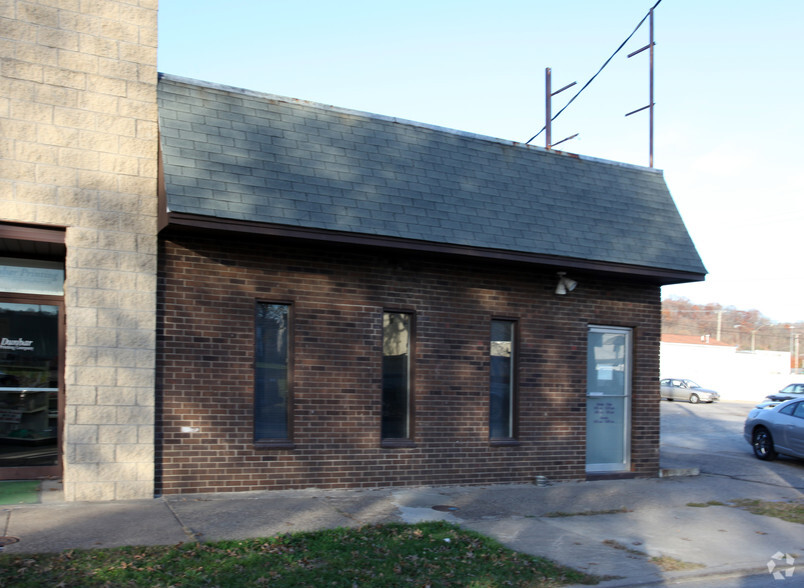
(433, 553)
(791, 511)
(787, 510)
(663, 562)
(19, 492)
(621, 547)
(586, 513)
(671, 564)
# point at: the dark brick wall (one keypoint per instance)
(209, 287)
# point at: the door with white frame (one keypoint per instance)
(608, 399)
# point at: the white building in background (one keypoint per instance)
(737, 375)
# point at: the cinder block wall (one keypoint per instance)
(79, 149)
(208, 290)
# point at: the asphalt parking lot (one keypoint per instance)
(710, 438)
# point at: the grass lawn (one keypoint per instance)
(19, 492)
(425, 554)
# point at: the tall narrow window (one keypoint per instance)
(501, 393)
(396, 329)
(272, 393)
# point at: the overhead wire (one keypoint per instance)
(602, 67)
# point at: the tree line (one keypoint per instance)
(748, 330)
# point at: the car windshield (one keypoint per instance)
(691, 384)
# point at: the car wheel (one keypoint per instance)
(763, 444)
(694, 399)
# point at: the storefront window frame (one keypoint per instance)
(55, 470)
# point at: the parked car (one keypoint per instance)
(775, 430)
(789, 392)
(683, 389)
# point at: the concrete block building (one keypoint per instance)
(78, 238)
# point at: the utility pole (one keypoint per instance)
(548, 108)
(650, 102)
(719, 322)
(792, 336)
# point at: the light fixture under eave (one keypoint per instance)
(565, 284)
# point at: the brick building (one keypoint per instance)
(290, 295)
(347, 299)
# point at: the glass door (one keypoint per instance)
(29, 389)
(608, 399)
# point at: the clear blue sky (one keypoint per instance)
(728, 93)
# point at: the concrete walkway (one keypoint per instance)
(607, 528)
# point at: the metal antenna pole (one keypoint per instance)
(650, 104)
(651, 87)
(548, 108)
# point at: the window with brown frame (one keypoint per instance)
(502, 379)
(272, 394)
(397, 329)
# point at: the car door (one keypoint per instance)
(793, 429)
(679, 391)
(666, 388)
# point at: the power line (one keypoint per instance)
(578, 93)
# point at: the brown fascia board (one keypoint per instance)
(193, 222)
(161, 190)
(40, 233)
(32, 241)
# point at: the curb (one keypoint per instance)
(682, 578)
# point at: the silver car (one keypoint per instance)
(789, 392)
(683, 389)
(777, 429)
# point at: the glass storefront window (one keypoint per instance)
(29, 384)
(31, 276)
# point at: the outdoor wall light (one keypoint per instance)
(565, 284)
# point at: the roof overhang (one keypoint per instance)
(192, 222)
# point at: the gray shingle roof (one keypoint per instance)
(240, 155)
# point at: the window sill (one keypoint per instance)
(278, 444)
(397, 443)
(505, 442)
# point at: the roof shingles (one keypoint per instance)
(240, 155)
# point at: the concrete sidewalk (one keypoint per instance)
(607, 528)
